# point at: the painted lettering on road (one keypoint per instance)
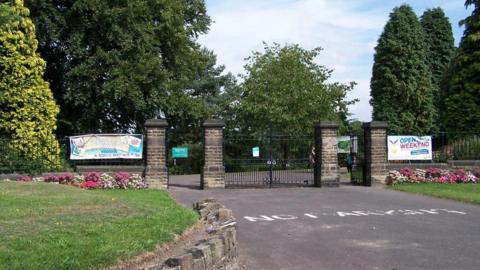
(357, 213)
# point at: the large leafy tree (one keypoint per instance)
(27, 108)
(461, 97)
(401, 84)
(285, 89)
(440, 41)
(114, 64)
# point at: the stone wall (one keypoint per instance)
(218, 251)
(110, 168)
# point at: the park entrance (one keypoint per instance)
(269, 160)
(351, 155)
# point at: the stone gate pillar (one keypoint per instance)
(213, 171)
(156, 166)
(375, 152)
(326, 160)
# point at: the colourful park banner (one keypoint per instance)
(106, 146)
(409, 148)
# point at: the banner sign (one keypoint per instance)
(180, 152)
(106, 146)
(409, 148)
(344, 143)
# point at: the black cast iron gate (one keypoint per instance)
(355, 159)
(268, 161)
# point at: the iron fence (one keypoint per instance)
(35, 156)
(451, 146)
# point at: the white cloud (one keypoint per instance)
(347, 30)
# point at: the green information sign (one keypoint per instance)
(180, 152)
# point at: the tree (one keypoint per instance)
(28, 111)
(114, 64)
(461, 98)
(5, 14)
(441, 48)
(284, 88)
(401, 84)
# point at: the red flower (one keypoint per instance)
(89, 184)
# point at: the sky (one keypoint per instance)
(347, 30)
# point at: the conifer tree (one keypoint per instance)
(461, 97)
(28, 110)
(440, 41)
(401, 85)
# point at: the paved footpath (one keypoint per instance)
(346, 228)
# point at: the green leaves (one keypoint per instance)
(28, 110)
(440, 42)
(114, 64)
(401, 84)
(286, 89)
(461, 94)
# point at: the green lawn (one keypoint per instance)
(459, 192)
(48, 226)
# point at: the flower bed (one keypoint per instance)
(92, 180)
(432, 175)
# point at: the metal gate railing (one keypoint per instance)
(268, 161)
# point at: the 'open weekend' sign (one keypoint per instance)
(409, 148)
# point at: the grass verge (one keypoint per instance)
(48, 226)
(460, 192)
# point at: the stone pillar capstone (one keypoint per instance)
(213, 171)
(156, 166)
(375, 152)
(326, 161)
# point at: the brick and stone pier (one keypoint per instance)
(375, 152)
(326, 160)
(213, 171)
(156, 166)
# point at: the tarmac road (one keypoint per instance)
(345, 228)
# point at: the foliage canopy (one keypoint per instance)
(28, 110)
(401, 84)
(441, 48)
(461, 97)
(285, 89)
(114, 64)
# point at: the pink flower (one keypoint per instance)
(406, 172)
(92, 176)
(24, 178)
